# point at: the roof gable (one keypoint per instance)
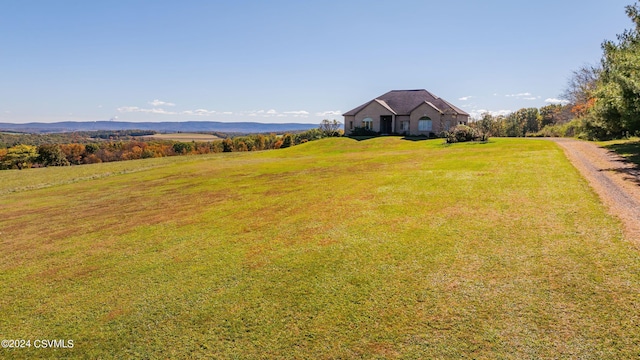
(385, 105)
(403, 102)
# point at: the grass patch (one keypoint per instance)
(331, 249)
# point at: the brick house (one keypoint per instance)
(406, 112)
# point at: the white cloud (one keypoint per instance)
(329, 113)
(160, 111)
(556, 101)
(465, 98)
(300, 113)
(519, 95)
(530, 98)
(199, 112)
(157, 102)
(126, 109)
(261, 113)
(204, 112)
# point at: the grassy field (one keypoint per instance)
(383, 248)
(184, 137)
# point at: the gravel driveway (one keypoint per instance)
(616, 181)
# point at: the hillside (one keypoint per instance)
(383, 248)
(185, 126)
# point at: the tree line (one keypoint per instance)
(606, 97)
(603, 100)
(9, 139)
(22, 156)
(550, 120)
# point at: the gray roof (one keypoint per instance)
(403, 102)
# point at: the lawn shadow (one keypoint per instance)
(630, 154)
(362, 138)
(629, 150)
(417, 138)
(630, 174)
(368, 137)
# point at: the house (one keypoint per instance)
(407, 112)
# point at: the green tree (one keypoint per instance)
(618, 93)
(287, 141)
(485, 124)
(514, 124)
(182, 147)
(531, 117)
(91, 148)
(51, 155)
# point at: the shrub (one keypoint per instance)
(361, 131)
(569, 129)
(462, 133)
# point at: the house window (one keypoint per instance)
(404, 126)
(350, 125)
(425, 124)
(447, 125)
(367, 123)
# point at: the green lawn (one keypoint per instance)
(383, 248)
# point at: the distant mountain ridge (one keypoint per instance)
(175, 126)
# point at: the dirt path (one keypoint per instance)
(616, 181)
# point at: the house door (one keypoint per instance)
(385, 124)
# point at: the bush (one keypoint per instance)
(570, 129)
(462, 133)
(360, 131)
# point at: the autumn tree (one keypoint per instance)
(554, 114)
(227, 145)
(580, 89)
(73, 152)
(20, 157)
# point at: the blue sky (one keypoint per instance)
(287, 61)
